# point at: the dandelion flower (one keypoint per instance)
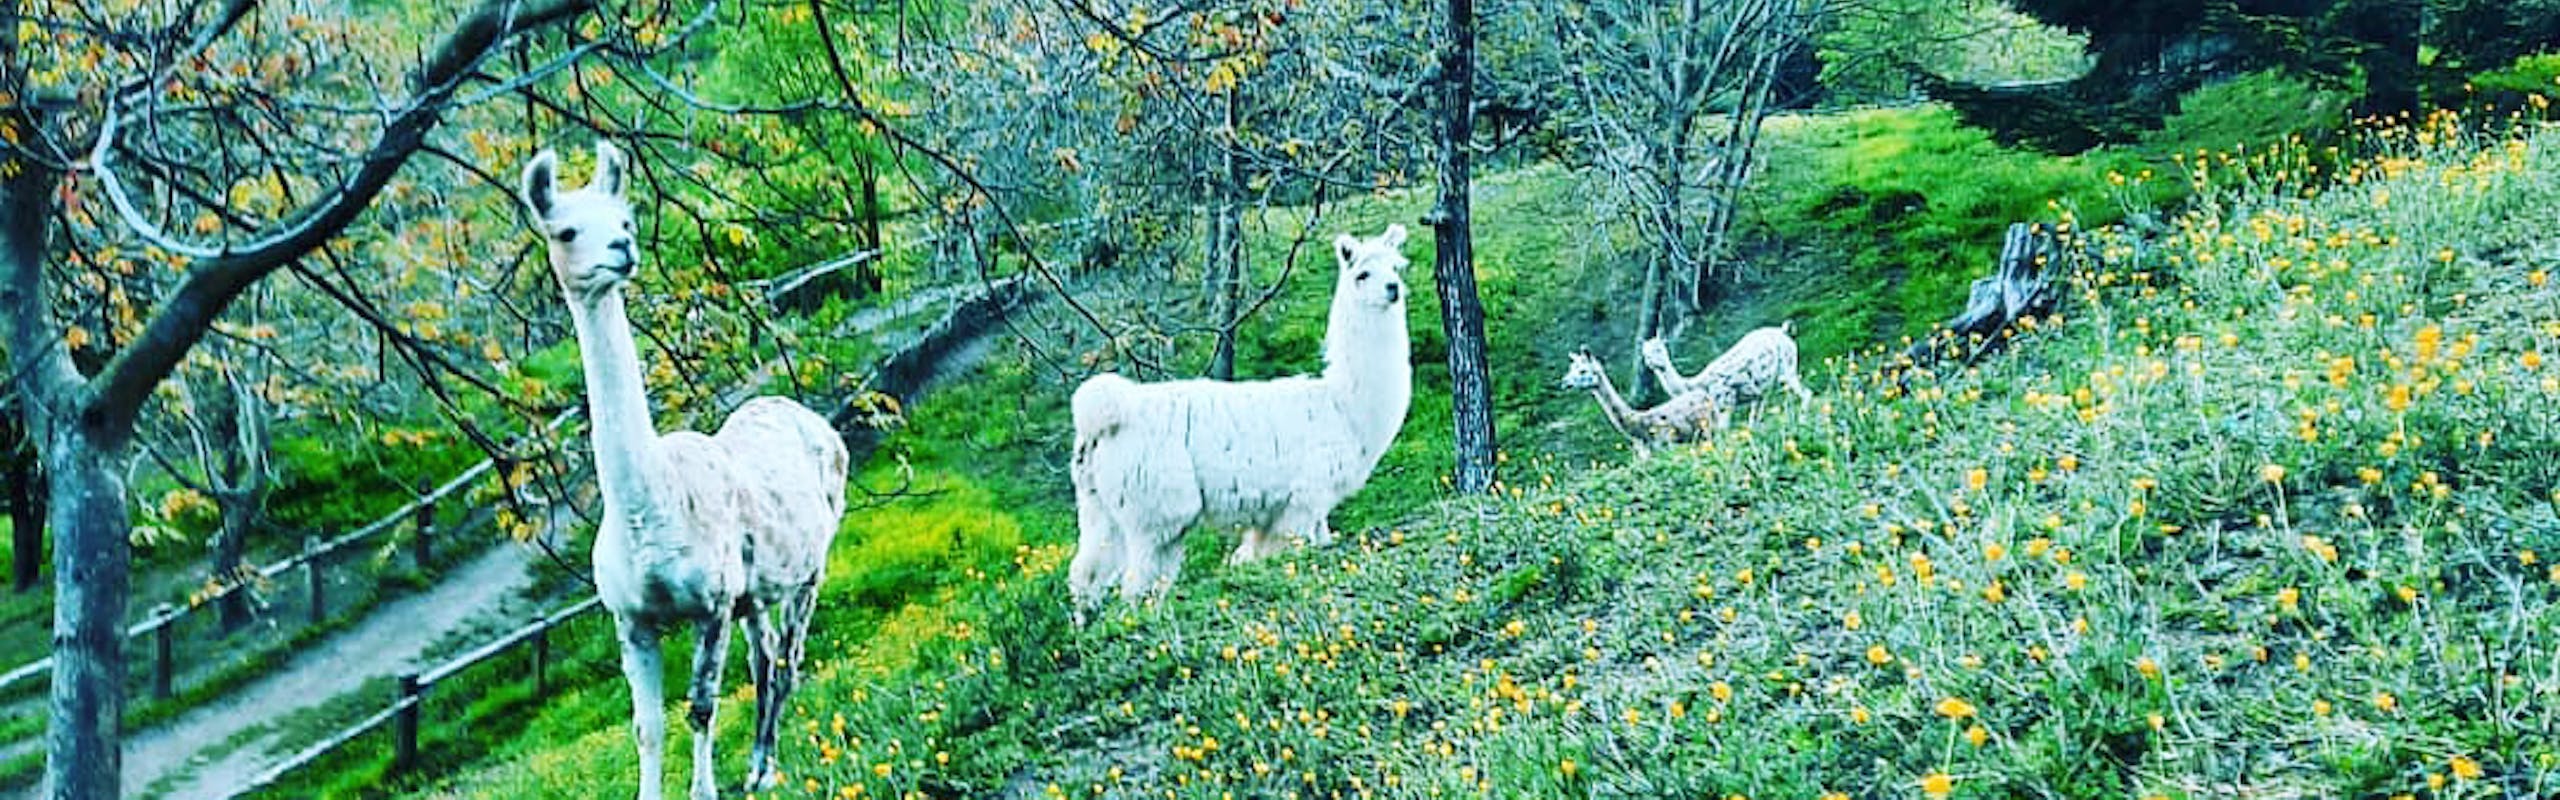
(1955, 708)
(2464, 768)
(1937, 784)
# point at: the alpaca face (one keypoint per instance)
(1657, 355)
(590, 228)
(1370, 269)
(1585, 373)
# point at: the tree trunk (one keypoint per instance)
(26, 513)
(1666, 281)
(1733, 170)
(867, 273)
(2390, 59)
(2020, 287)
(1226, 246)
(230, 547)
(85, 456)
(92, 568)
(1454, 267)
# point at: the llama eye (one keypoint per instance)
(566, 235)
(1360, 277)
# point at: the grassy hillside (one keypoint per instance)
(2268, 509)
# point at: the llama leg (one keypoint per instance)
(790, 641)
(1097, 562)
(710, 653)
(1299, 520)
(1252, 547)
(1138, 568)
(1151, 560)
(1795, 383)
(1151, 535)
(641, 668)
(762, 648)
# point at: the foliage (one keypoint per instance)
(2528, 77)
(1868, 47)
(2233, 113)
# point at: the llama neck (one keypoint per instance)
(1621, 416)
(1368, 355)
(624, 437)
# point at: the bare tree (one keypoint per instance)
(1644, 79)
(213, 438)
(203, 134)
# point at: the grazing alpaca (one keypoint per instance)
(1274, 456)
(1762, 358)
(697, 529)
(1679, 419)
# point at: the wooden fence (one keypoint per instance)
(316, 556)
(409, 697)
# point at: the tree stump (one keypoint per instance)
(2020, 289)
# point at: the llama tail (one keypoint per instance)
(1787, 327)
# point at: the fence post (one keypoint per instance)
(405, 723)
(163, 661)
(425, 543)
(541, 658)
(311, 569)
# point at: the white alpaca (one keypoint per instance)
(1763, 358)
(697, 529)
(1682, 418)
(1273, 457)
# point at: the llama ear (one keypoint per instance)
(540, 183)
(610, 168)
(1342, 246)
(1394, 237)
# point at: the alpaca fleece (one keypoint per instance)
(1272, 457)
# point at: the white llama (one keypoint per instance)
(1272, 457)
(1682, 418)
(697, 529)
(1763, 358)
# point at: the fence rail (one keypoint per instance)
(313, 557)
(409, 698)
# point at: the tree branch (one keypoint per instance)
(213, 282)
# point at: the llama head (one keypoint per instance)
(590, 227)
(1656, 353)
(1585, 373)
(1370, 269)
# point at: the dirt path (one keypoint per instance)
(170, 761)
